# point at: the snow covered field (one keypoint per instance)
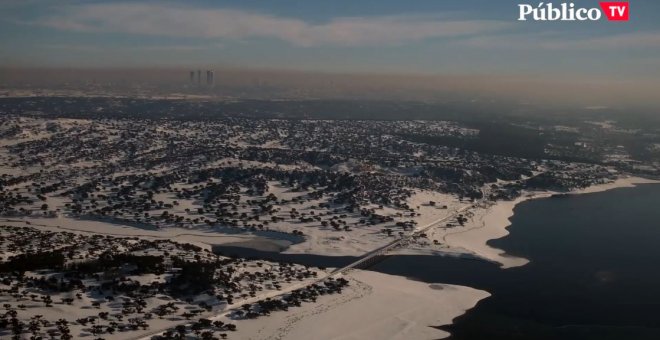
(311, 187)
(374, 306)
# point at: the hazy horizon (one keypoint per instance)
(419, 50)
(273, 83)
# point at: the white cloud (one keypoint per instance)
(171, 21)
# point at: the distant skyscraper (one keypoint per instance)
(192, 77)
(209, 78)
(199, 78)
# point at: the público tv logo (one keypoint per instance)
(614, 11)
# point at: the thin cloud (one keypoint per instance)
(87, 47)
(171, 21)
(628, 40)
(558, 41)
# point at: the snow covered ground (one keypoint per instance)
(374, 306)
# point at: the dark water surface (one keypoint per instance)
(594, 270)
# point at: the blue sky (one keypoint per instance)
(425, 36)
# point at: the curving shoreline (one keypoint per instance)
(393, 315)
(373, 306)
(492, 222)
(401, 307)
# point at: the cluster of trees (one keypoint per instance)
(98, 272)
(294, 299)
(562, 181)
(204, 329)
(109, 261)
(32, 261)
(220, 191)
(18, 328)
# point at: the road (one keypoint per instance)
(337, 272)
(399, 242)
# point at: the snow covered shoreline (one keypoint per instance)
(492, 222)
(385, 306)
(373, 306)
